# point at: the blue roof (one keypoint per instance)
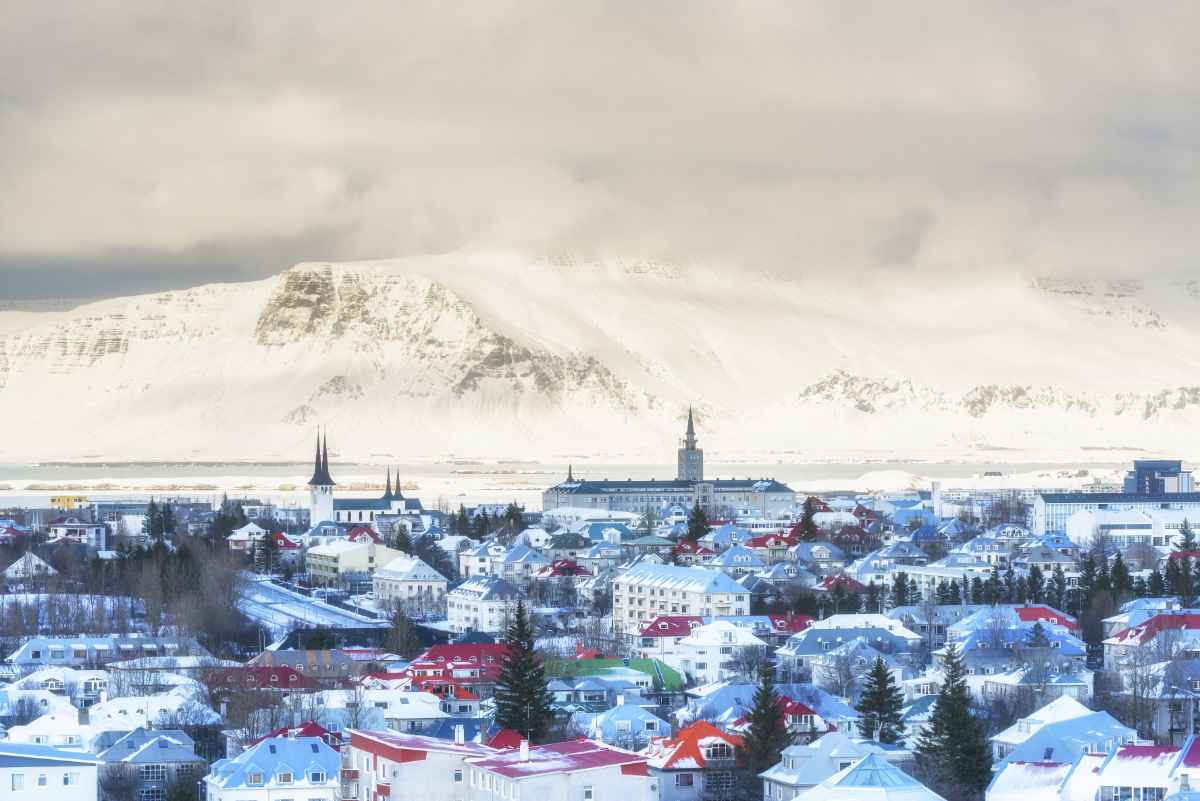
(875, 771)
(299, 756)
(16, 755)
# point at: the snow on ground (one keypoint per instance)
(280, 609)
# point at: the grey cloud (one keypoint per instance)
(218, 139)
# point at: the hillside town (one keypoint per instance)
(683, 639)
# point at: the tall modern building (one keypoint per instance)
(761, 497)
(691, 458)
(1158, 477)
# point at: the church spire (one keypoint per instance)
(397, 495)
(387, 493)
(570, 477)
(690, 439)
(320, 477)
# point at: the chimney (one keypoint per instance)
(459, 736)
(524, 750)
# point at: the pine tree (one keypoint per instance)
(522, 701)
(1010, 586)
(808, 524)
(1058, 588)
(1035, 585)
(766, 735)
(402, 637)
(900, 595)
(1122, 582)
(873, 598)
(403, 540)
(1157, 587)
(697, 525)
(879, 706)
(150, 521)
(953, 756)
(954, 592)
(977, 590)
(514, 517)
(1037, 637)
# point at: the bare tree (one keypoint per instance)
(119, 782)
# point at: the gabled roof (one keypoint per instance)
(1022, 781)
(299, 756)
(670, 626)
(568, 757)
(691, 579)
(408, 568)
(685, 750)
(142, 746)
(872, 778)
(1147, 631)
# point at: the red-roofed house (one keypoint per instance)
(771, 547)
(659, 638)
(309, 728)
(1047, 615)
(276, 678)
(789, 624)
(829, 583)
(364, 534)
(1146, 766)
(561, 568)
(801, 719)
(444, 770)
(698, 762)
(1167, 635)
(693, 553)
(476, 666)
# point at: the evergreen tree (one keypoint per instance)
(1103, 577)
(150, 521)
(766, 735)
(1140, 588)
(873, 597)
(697, 525)
(914, 592)
(954, 592)
(648, 522)
(808, 525)
(1037, 637)
(522, 701)
(1035, 585)
(900, 595)
(403, 540)
(1010, 586)
(977, 591)
(1021, 592)
(514, 517)
(266, 554)
(402, 637)
(992, 589)
(1122, 582)
(1057, 589)
(1157, 588)
(941, 593)
(879, 706)
(953, 756)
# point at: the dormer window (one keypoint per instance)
(254, 778)
(284, 778)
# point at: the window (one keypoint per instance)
(284, 778)
(458, 775)
(683, 779)
(254, 778)
(316, 777)
(153, 773)
(18, 781)
(70, 779)
(587, 793)
(43, 780)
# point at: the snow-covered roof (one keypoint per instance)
(721, 632)
(1023, 781)
(807, 765)
(408, 568)
(566, 757)
(687, 579)
(262, 764)
(872, 778)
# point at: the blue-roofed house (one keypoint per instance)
(156, 759)
(819, 555)
(47, 774)
(803, 654)
(626, 725)
(725, 535)
(872, 778)
(305, 766)
(610, 531)
(736, 561)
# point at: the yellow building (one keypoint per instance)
(68, 502)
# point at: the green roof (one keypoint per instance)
(671, 679)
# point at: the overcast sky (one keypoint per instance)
(148, 145)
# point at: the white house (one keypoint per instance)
(646, 591)
(481, 603)
(409, 580)
(277, 768)
(39, 773)
(28, 566)
(717, 651)
(72, 529)
(803, 767)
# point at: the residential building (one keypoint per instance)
(87, 651)
(647, 591)
(698, 763)
(73, 529)
(803, 767)
(481, 603)
(872, 778)
(333, 561)
(277, 768)
(407, 579)
(155, 760)
(626, 725)
(1052, 510)
(1060, 731)
(41, 773)
(717, 651)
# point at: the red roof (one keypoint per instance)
(770, 541)
(1151, 628)
(563, 567)
(284, 541)
(442, 661)
(363, 534)
(506, 738)
(568, 757)
(790, 709)
(1184, 555)
(790, 623)
(845, 582)
(694, 548)
(685, 746)
(670, 626)
(1033, 614)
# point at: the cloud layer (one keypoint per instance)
(218, 139)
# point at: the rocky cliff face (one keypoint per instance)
(506, 356)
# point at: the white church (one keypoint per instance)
(323, 507)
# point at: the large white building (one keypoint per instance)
(1124, 527)
(1051, 511)
(646, 591)
(713, 652)
(324, 508)
(762, 497)
(409, 580)
(455, 770)
(481, 603)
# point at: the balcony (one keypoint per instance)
(349, 774)
(382, 789)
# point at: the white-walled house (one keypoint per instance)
(715, 651)
(409, 580)
(481, 603)
(277, 768)
(40, 773)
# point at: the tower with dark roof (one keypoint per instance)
(320, 486)
(387, 493)
(691, 458)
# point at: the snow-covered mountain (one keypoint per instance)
(484, 355)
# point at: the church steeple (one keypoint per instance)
(691, 458)
(690, 437)
(387, 493)
(320, 476)
(570, 477)
(397, 495)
